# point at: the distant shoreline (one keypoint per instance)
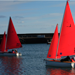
(33, 38)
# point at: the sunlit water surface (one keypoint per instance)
(31, 62)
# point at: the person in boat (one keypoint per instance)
(5, 51)
(72, 59)
(65, 59)
(10, 51)
(15, 50)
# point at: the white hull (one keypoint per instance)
(65, 64)
(10, 54)
(48, 42)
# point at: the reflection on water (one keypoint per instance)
(60, 71)
(10, 65)
(31, 62)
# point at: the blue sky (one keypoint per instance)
(33, 16)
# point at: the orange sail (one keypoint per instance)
(2, 46)
(12, 38)
(67, 35)
(53, 46)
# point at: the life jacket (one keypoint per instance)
(13, 52)
(72, 60)
(5, 50)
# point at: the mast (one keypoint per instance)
(7, 35)
(60, 34)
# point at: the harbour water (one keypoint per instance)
(31, 62)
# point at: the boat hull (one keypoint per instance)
(10, 54)
(48, 42)
(66, 64)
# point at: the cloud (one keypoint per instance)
(52, 15)
(72, 3)
(44, 16)
(7, 5)
(34, 0)
(20, 21)
(1, 16)
(63, 3)
(18, 17)
(31, 18)
(59, 5)
(3, 25)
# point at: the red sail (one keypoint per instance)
(2, 46)
(12, 38)
(67, 34)
(53, 46)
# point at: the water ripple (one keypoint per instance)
(31, 62)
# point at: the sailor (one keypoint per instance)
(10, 51)
(72, 59)
(15, 50)
(65, 59)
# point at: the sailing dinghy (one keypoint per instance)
(11, 42)
(65, 45)
(2, 46)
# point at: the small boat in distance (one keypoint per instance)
(49, 42)
(65, 44)
(11, 42)
(2, 45)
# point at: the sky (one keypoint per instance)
(33, 16)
